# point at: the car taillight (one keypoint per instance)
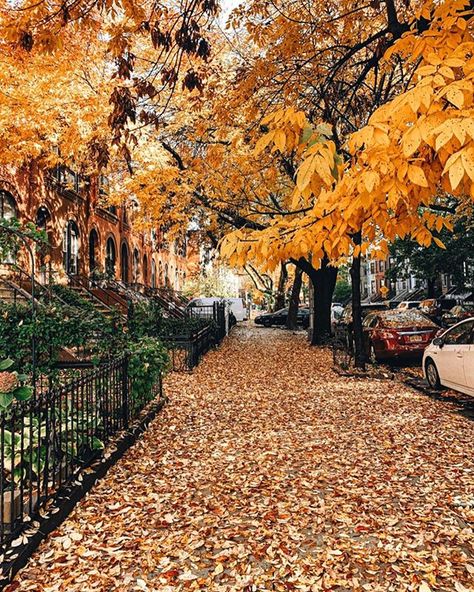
(388, 334)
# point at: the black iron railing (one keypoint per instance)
(186, 351)
(187, 348)
(45, 441)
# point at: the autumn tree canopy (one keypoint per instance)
(303, 132)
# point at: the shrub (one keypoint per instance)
(148, 360)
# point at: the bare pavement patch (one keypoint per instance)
(267, 471)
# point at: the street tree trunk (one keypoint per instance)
(292, 318)
(323, 281)
(357, 335)
(431, 287)
(280, 294)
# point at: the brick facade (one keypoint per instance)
(86, 234)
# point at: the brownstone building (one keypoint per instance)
(87, 235)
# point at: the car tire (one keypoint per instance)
(266, 324)
(432, 376)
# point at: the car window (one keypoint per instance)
(459, 335)
(367, 322)
(404, 318)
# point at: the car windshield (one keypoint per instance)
(404, 318)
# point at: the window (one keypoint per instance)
(110, 257)
(460, 335)
(145, 269)
(42, 218)
(93, 250)
(124, 263)
(7, 205)
(103, 185)
(153, 273)
(370, 320)
(71, 248)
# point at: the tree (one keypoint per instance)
(342, 291)
(415, 143)
(428, 263)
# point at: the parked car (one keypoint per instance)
(342, 327)
(394, 334)
(279, 318)
(456, 314)
(408, 304)
(449, 360)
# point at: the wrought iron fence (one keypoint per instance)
(187, 349)
(45, 441)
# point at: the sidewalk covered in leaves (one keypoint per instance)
(267, 471)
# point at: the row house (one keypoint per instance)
(86, 235)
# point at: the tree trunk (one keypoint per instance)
(324, 282)
(431, 287)
(357, 334)
(292, 318)
(280, 294)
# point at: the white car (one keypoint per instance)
(449, 359)
(238, 308)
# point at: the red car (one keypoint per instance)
(394, 334)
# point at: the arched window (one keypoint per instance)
(136, 266)
(110, 257)
(7, 205)
(176, 280)
(145, 270)
(43, 218)
(167, 280)
(124, 263)
(71, 248)
(93, 250)
(153, 273)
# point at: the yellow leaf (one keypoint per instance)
(424, 587)
(411, 141)
(467, 157)
(456, 97)
(456, 173)
(305, 172)
(417, 175)
(280, 140)
(219, 569)
(263, 142)
(440, 244)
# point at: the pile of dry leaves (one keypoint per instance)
(267, 471)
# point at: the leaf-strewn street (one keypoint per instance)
(267, 471)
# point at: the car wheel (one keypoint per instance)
(372, 355)
(432, 375)
(266, 324)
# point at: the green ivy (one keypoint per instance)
(148, 360)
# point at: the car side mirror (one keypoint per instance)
(438, 341)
